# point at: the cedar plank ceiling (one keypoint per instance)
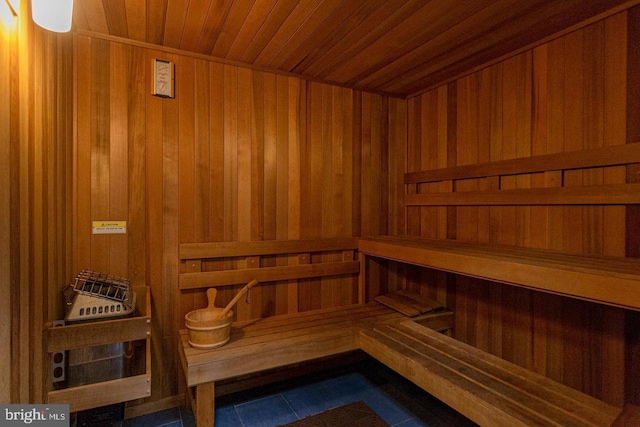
(398, 47)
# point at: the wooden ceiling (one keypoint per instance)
(399, 47)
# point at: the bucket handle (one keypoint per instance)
(233, 302)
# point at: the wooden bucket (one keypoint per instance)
(210, 327)
(206, 330)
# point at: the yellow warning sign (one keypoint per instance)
(109, 227)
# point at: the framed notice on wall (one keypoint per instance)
(163, 79)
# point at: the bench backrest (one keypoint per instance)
(217, 264)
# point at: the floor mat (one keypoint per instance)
(356, 414)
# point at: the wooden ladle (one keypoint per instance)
(207, 314)
(211, 297)
(235, 299)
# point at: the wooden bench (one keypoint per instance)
(265, 344)
(483, 387)
(284, 340)
(604, 280)
(486, 389)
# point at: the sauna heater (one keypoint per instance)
(95, 297)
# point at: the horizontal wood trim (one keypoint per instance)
(102, 393)
(615, 194)
(263, 247)
(61, 338)
(266, 274)
(598, 157)
(606, 280)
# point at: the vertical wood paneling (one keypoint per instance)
(429, 136)
(484, 149)
(238, 155)
(467, 152)
(154, 222)
(83, 155)
(202, 152)
(216, 173)
(295, 133)
(138, 250)
(166, 306)
(9, 32)
(523, 146)
(574, 134)
(186, 149)
(615, 107)
(508, 226)
(398, 112)
(555, 107)
(593, 128)
(100, 150)
(539, 142)
(35, 221)
(414, 124)
(118, 158)
(632, 213)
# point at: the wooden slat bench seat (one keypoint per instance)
(486, 389)
(605, 280)
(284, 340)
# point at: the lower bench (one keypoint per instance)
(278, 341)
(486, 389)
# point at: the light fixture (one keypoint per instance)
(8, 12)
(53, 15)
(14, 6)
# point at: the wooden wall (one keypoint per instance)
(238, 155)
(8, 31)
(247, 155)
(568, 94)
(36, 119)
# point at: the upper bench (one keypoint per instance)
(606, 280)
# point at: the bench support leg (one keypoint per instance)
(205, 404)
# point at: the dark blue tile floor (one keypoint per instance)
(397, 401)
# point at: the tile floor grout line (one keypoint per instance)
(235, 408)
(254, 400)
(290, 407)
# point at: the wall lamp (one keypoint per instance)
(9, 12)
(52, 15)
(14, 6)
